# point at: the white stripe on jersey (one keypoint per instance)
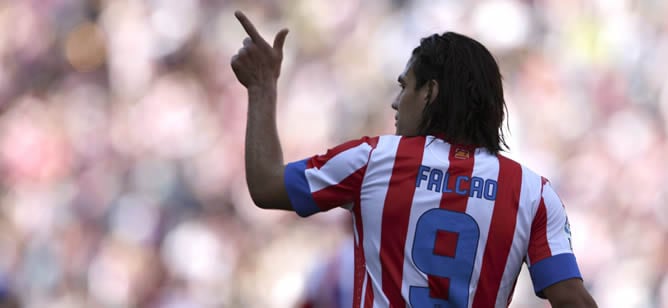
(371, 205)
(423, 200)
(338, 167)
(365, 285)
(355, 231)
(485, 166)
(557, 237)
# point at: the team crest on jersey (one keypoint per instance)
(461, 153)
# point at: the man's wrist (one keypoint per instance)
(262, 87)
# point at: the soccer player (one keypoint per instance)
(441, 219)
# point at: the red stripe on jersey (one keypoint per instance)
(501, 233)
(360, 260)
(368, 297)
(331, 196)
(539, 248)
(439, 287)
(458, 167)
(396, 213)
(461, 164)
(319, 160)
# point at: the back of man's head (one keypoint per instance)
(469, 107)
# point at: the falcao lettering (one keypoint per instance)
(437, 180)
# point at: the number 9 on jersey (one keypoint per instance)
(444, 248)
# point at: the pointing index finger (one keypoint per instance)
(249, 27)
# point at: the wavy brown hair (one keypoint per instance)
(469, 108)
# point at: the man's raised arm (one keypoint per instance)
(257, 65)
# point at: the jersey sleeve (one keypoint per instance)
(323, 182)
(550, 253)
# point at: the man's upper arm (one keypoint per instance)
(274, 194)
(323, 182)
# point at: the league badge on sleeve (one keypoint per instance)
(567, 229)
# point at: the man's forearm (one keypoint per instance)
(264, 156)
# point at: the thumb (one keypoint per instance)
(279, 40)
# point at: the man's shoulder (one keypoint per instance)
(373, 140)
(532, 182)
(392, 142)
(526, 170)
(382, 146)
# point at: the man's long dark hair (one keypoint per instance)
(469, 108)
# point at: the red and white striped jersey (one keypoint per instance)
(436, 224)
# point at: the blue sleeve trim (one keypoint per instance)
(552, 270)
(298, 189)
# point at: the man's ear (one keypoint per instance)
(432, 91)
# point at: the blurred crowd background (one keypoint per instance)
(122, 126)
